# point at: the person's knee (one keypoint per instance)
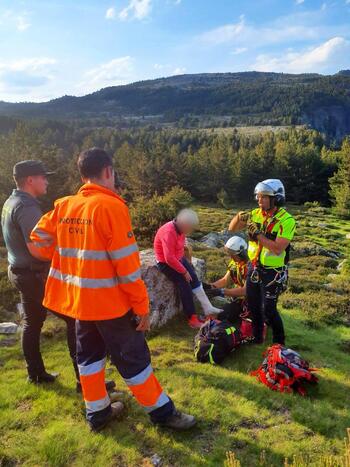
(182, 284)
(33, 315)
(270, 306)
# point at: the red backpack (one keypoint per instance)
(284, 370)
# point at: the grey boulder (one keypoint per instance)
(216, 239)
(8, 328)
(304, 249)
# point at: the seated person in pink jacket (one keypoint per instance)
(169, 244)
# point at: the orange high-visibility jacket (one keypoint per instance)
(95, 270)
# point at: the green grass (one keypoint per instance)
(45, 425)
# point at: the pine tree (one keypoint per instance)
(340, 183)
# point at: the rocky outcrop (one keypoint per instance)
(304, 249)
(333, 120)
(164, 299)
(341, 265)
(8, 328)
(216, 239)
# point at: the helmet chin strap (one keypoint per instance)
(272, 205)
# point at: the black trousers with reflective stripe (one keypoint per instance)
(262, 302)
(127, 349)
(31, 287)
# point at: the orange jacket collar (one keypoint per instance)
(91, 188)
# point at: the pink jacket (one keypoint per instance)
(169, 246)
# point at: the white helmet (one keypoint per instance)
(188, 217)
(236, 246)
(272, 187)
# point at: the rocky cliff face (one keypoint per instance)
(334, 121)
(165, 301)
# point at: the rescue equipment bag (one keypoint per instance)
(215, 340)
(285, 370)
(246, 328)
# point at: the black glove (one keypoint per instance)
(244, 216)
(215, 292)
(253, 231)
(207, 286)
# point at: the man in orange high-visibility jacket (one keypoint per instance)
(95, 277)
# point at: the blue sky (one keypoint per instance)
(51, 48)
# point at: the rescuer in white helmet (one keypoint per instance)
(233, 284)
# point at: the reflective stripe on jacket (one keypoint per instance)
(95, 271)
(280, 225)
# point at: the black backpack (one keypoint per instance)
(215, 340)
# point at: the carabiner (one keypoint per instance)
(255, 276)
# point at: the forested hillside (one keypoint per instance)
(254, 98)
(159, 167)
(210, 166)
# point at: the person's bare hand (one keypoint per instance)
(187, 276)
(144, 324)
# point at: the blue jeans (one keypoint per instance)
(184, 288)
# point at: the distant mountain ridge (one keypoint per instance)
(255, 98)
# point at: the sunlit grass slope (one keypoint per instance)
(45, 425)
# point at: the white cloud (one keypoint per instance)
(110, 13)
(179, 70)
(169, 70)
(323, 6)
(19, 20)
(327, 57)
(136, 9)
(113, 73)
(26, 78)
(225, 33)
(31, 64)
(239, 50)
(299, 2)
(22, 22)
(298, 27)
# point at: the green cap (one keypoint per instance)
(30, 168)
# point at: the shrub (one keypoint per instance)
(311, 204)
(223, 198)
(9, 296)
(149, 214)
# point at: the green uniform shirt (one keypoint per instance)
(19, 216)
(281, 225)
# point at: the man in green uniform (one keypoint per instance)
(20, 213)
(271, 229)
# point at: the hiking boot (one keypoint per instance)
(44, 377)
(110, 385)
(194, 322)
(117, 409)
(179, 421)
(254, 340)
